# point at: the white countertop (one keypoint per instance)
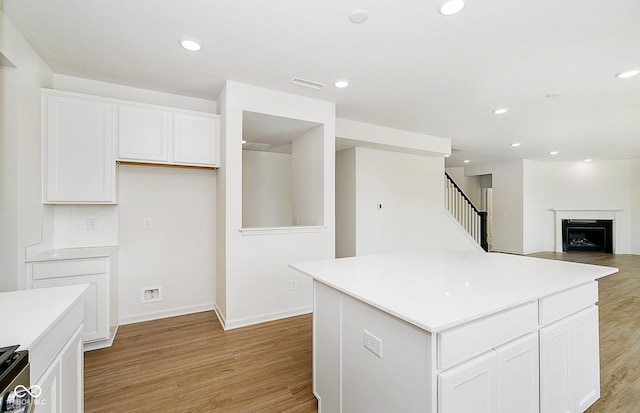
(73, 254)
(26, 315)
(436, 291)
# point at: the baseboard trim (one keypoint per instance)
(219, 313)
(263, 318)
(97, 345)
(156, 315)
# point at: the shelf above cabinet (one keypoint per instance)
(166, 165)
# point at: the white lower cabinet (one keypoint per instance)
(100, 299)
(518, 376)
(503, 380)
(570, 364)
(62, 382)
(470, 387)
(96, 326)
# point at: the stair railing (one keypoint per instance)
(463, 210)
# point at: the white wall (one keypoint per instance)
(410, 189)
(526, 192)
(470, 185)
(178, 251)
(266, 189)
(68, 227)
(8, 182)
(346, 203)
(253, 277)
(115, 91)
(307, 177)
(20, 200)
(635, 207)
(607, 185)
(508, 203)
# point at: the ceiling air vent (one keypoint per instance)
(254, 146)
(308, 83)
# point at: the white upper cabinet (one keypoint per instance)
(195, 138)
(78, 156)
(143, 133)
(153, 134)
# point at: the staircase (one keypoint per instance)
(463, 210)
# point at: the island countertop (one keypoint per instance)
(27, 315)
(439, 290)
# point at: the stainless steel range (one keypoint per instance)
(15, 391)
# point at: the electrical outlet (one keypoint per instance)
(379, 206)
(294, 285)
(146, 223)
(92, 224)
(151, 294)
(372, 343)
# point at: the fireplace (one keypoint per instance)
(587, 235)
(585, 218)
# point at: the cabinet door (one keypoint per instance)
(570, 363)
(470, 387)
(49, 399)
(96, 301)
(555, 347)
(143, 133)
(518, 375)
(585, 358)
(78, 150)
(196, 139)
(71, 375)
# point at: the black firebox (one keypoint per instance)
(587, 235)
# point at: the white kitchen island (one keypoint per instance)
(48, 323)
(454, 332)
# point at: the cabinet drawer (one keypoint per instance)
(68, 268)
(565, 303)
(461, 343)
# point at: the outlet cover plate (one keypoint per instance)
(372, 343)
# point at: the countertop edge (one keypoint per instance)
(78, 253)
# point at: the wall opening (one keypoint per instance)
(282, 172)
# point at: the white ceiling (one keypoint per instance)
(276, 131)
(410, 67)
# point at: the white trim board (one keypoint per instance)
(263, 318)
(156, 315)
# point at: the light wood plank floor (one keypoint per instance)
(188, 364)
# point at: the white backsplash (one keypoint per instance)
(71, 228)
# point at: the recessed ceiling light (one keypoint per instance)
(466, 161)
(515, 145)
(341, 83)
(588, 160)
(554, 153)
(629, 73)
(190, 45)
(500, 111)
(358, 16)
(450, 7)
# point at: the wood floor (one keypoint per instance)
(189, 365)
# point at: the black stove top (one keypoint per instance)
(11, 364)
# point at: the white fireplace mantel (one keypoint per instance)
(577, 213)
